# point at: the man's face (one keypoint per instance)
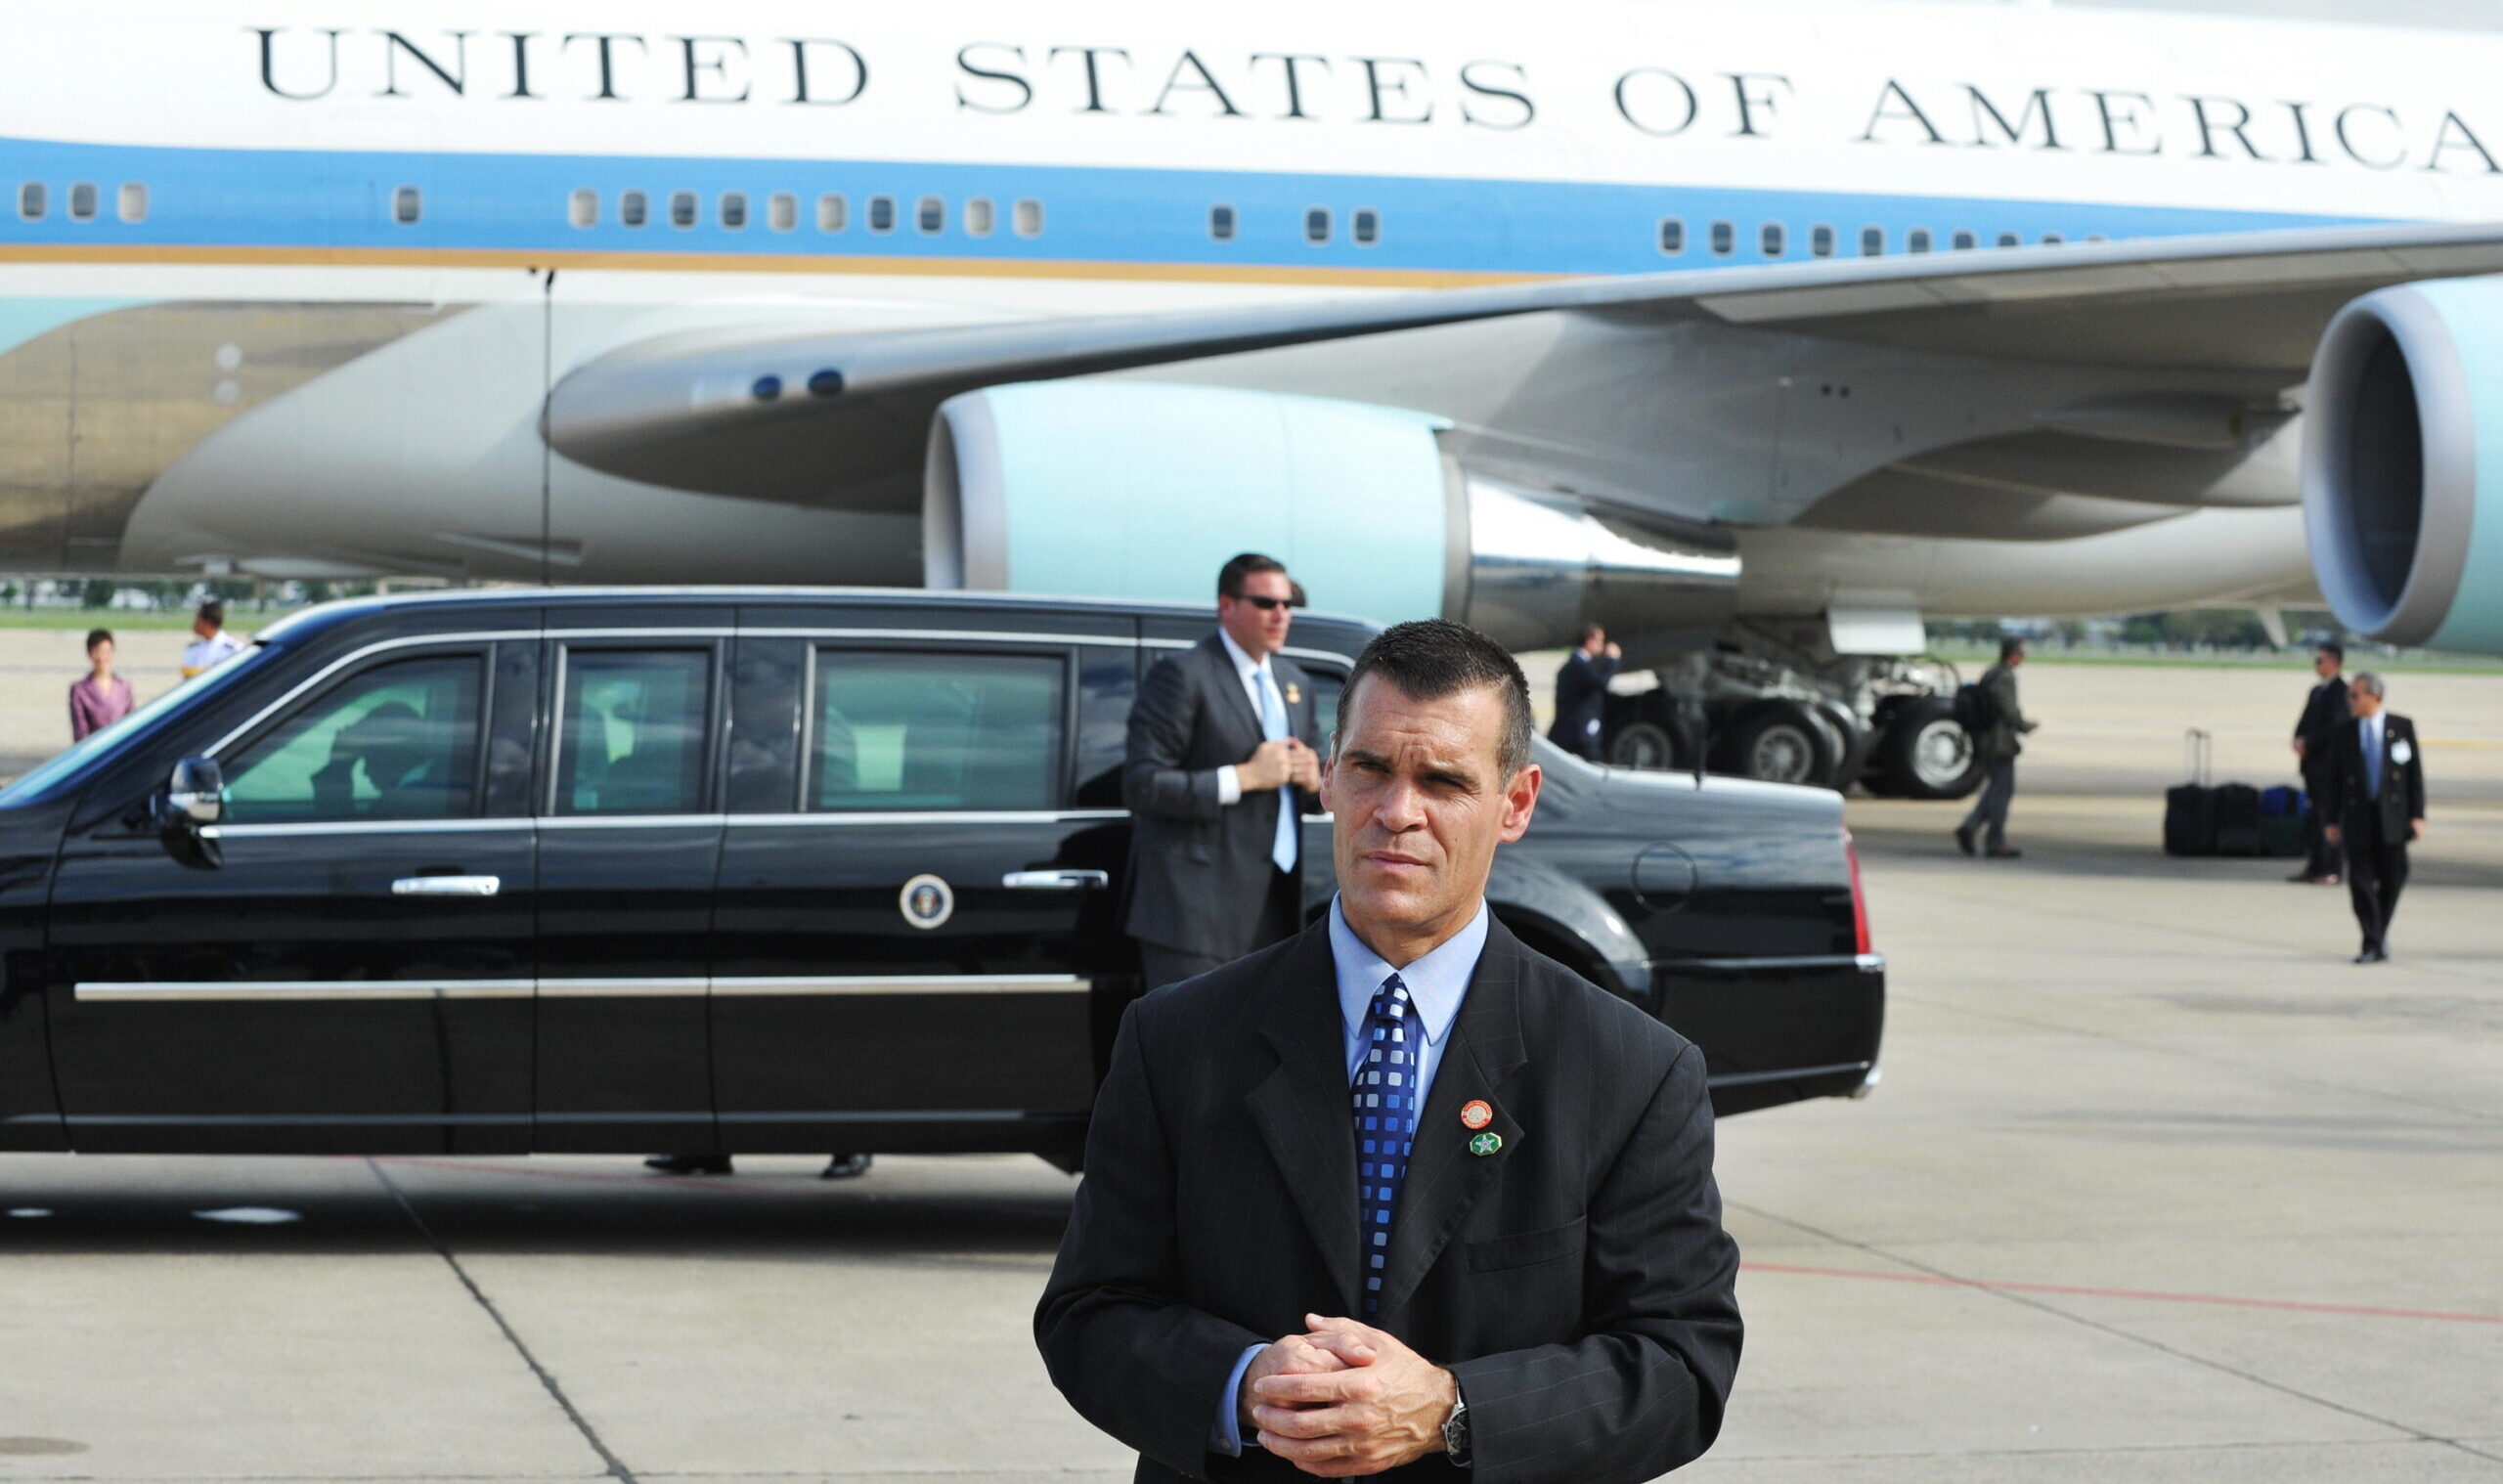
(1421, 804)
(1259, 630)
(2014, 660)
(204, 628)
(2361, 703)
(2323, 666)
(1596, 643)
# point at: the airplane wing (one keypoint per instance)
(765, 413)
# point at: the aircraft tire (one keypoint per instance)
(1925, 755)
(1779, 742)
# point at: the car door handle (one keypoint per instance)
(1054, 881)
(447, 886)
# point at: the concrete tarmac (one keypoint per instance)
(2158, 1187)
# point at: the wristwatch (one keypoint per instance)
(1456, 1433)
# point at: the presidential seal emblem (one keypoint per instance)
(927, 902)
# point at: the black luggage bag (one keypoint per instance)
(2190, 808)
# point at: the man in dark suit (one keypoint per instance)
(1581, 693)
(1401, 1196)
(2325, 713)
(2375, 800)
(1222, 755)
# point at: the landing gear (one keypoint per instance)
(1925, 754)
(1778, 742)
(1642, 744)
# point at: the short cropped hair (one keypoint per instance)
(2332, 648)
(2367, 682)
(97, 636)
(1229, 578)
(214, 612)
(1590, 631)
(2009, 648)
(1431, 659)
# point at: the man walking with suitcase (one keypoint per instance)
(2375, 797)
(2325, 713)
(1992, 716)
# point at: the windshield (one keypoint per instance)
(66, 766)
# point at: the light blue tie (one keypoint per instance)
(2372, 754)
(1273, 726)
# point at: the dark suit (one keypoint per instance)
(2324, 712)
(1201, 881)
(1577, 1282)
(2376, 828)
(1581, 694)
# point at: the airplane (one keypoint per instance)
(1759, 332)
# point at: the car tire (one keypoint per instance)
(1645, 745)
(1925, 755)
(1779, 742)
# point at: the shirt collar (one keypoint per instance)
(1244, 665)
(1436, 983)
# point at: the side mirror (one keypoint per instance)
(195, 798)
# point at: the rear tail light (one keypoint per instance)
(1859, 898)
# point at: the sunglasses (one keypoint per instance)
(1266, 605)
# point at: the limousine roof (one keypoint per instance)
(321, 618)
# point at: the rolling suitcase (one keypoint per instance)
(2190, 808)
(2237, 817)
(2283, 812)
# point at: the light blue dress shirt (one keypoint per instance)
(1436, 985)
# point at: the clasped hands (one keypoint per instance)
(1275, 764)
(1346, 1400)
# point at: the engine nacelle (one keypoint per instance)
(1142, 490)
(2403, 464)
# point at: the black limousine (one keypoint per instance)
(745, 871)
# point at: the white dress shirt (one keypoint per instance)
(1229, 783)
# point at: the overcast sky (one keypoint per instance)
(2458, 15)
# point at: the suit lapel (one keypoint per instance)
(1301, 1107)
(1444, 1179)
(1237, 701)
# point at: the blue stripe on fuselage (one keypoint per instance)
(278, 199)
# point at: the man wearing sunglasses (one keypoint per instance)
(1222, 763)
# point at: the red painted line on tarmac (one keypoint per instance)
(2150, 1295)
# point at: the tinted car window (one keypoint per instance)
(399, 741)
(936, 731)
(1326, 686)
(632, 741)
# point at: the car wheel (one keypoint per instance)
(1779, 742)
(1926, 755)
(1642, 744)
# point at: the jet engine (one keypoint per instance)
(2403, 464)
(1142, 490)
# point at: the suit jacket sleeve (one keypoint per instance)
(2415, 774)
(1132, 1358)
(1154, 779)
(2331, 805)
(1644, 1391)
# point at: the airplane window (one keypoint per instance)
(681, 208)
(581, 209)
(30, 201)
(2096, 237)
(831, 213)
(1724, 238)
(781, 211)
(1672, 235)
(1316, 225)
(1821, 240)
(930, 214)
(734, 209)
(1872, 241)
(882, 213)
(1029, 218)
(1221, 223)
(633, 209)
(2009, 239)
(980, 218)
(407, 205)
(1916, 240)
(1368, 226)
(2052, 239)
(1773, 240)
(82, 202)
(1963, 240)
(134, 201)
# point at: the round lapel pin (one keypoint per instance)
(1474, 1113)
(1485, 1144)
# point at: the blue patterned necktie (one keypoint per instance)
(1273, 727)
(2372, 740)
(1384, 1095)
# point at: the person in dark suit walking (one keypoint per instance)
(2325, 713)
(1581, 693)
(1222, 757)
(1400, 1195)
(1998, 744)
(2376, 799)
